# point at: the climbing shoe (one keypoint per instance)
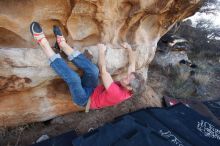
(37, 31)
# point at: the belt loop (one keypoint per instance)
(88, 105)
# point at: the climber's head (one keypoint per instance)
(134, 82)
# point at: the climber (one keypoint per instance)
(85, 91)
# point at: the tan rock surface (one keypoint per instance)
(30, 90)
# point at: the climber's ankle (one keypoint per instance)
(43, 42)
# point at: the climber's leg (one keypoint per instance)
(72, 79)
(61, 41)
(60, 67)
(91, 72)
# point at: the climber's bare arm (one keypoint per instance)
(131, 57)
(106, 77)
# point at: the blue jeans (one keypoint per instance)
(80, 88)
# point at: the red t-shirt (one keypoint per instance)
(112, 96)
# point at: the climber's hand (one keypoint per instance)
(126, 46)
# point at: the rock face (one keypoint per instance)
(30, 90)
(171, 49)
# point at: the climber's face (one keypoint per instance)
(125, 82)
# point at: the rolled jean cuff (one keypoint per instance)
(74, 55)
(55, 56)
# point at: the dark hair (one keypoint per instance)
(137, 84)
